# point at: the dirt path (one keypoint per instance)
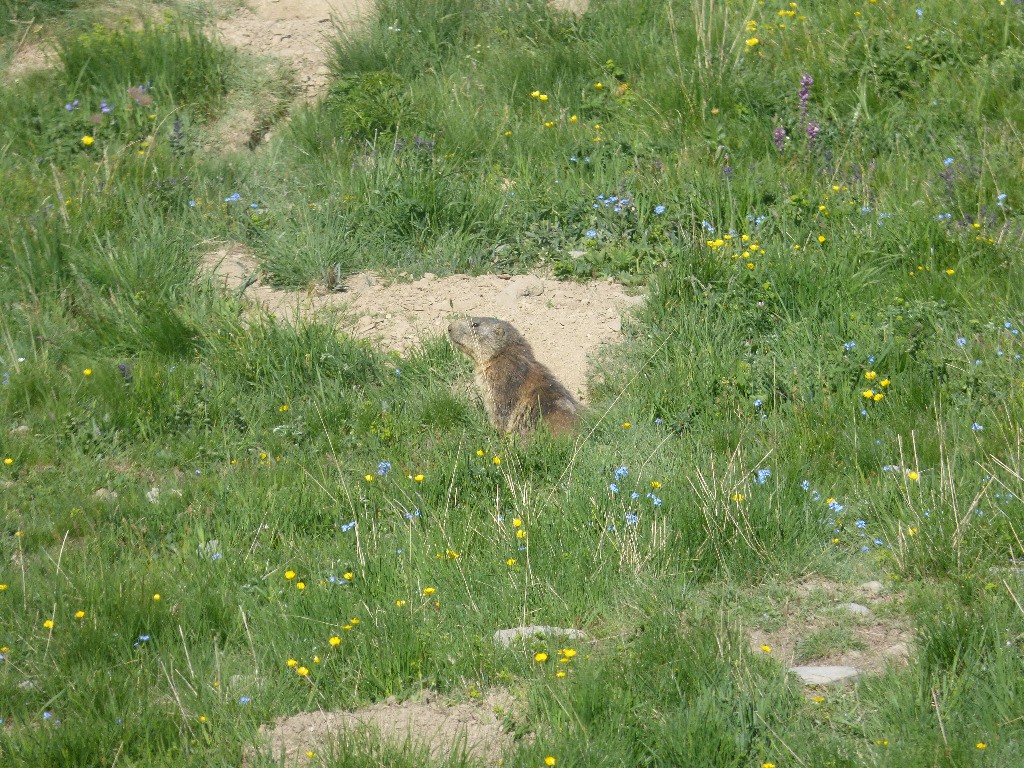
(564, 322)
(297, 31)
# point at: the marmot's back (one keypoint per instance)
(518, 391)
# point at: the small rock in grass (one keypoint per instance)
(21, 429)
(856, 609)
(506, 637)
(872, 587)
(105, 494)
(825, 675)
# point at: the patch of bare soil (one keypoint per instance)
(296, 31)
(877, 638)
(27, 58)
(474, 728)
(564, 322)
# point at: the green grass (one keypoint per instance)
(887, 259)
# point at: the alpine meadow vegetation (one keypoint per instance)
(211, 518)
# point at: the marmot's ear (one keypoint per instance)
(499, 331)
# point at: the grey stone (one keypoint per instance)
(21, 429)
(506, 637)
(825, 675)
(105, 494)
(856, 608)
(873, 587)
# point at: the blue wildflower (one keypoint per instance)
(346, 527)
(865, 548)
(977, 427)
(244, 699)
(634, 495)
(660, 209)
(232, 198)
(763, 475)
(962, 341)
(948, 161)
(757, 403)
(591, 233)
(861, 524)
(849, 345)
(613, 488)
(631, 519)
(878, 542)
(835, 506)
(47, 714)
(621, 472)
(383, 468)
(806, 485)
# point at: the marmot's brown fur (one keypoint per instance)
(518, 391)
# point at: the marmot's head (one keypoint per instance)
(482, 337)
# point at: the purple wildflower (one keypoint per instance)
(806, 81)
(779, 137)
(812, 130)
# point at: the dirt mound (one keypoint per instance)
(474, 727)
(564, 322)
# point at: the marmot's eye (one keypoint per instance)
(474, 325)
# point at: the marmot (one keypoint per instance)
(518, 391)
